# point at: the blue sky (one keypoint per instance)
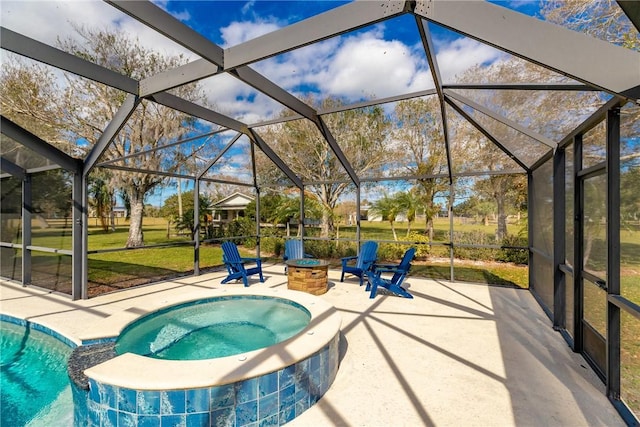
(382, 60)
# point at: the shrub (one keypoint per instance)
(273, 245)
(516, 256)
(391, 251)
(421, 240)
(321, 248)
(475, 237)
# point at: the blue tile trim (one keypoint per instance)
(38, 327)
(272, 399)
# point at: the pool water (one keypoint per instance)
(34, 380)
(212, 328)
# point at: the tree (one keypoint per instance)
(360, 133)
(506, 191)
(91, 106)
(603, 19)
(101, 195)
(420, 146)
(410, 203)
(280, 209)
(184, 220)
(388, 208)
(30, 97)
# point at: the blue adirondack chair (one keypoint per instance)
(294, 249)
(363, 262)
(236, 265)
(394, 284)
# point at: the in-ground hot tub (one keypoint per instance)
(270, 385)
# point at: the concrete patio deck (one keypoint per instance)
(457, 354)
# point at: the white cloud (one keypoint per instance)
(46, 21)
(367, 66)
(238, 32)
(459, 55)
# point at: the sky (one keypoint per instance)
(382, 60)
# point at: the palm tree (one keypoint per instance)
(290, 208)
(388, 208)
(101, 197)
(410, 203)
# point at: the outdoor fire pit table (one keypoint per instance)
(307, 275)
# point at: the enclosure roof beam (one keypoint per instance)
(211, 162)
(113, 128)
(43, 148)
(632, 10)
(567, 52)
(591, 121)
(12, 169)
(334, 22)
(165, 24)
(510, 123)
(438, 175)
(224, 181)
(523, 86)
(49, 55)
(487, 134)
(184, 74)
(161, 147)
(346, 107)
(378, 101)
(427, 44)
(199, 111)
(150, 172)
(257, 139)
(333, 144)
(264, 85)
(156, 18)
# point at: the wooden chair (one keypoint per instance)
(236, 265)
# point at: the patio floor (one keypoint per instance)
(456, 354)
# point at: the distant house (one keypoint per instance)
(230, 208)
(118, 212)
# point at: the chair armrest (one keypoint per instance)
(346, 259)
(308, 255)
(379, 266)
(251, 259)
(391, 269)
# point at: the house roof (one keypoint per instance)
(235, 200)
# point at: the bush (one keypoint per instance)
(475, 237)
(422, 247)
(241, 227)
(516, 256)
(273, 245)
(391, 251)
(321, 249)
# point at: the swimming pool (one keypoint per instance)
(265, 386)
(34, 381)
(216, 327)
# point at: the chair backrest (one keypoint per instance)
(404, 266)
(230, 253)
(368, 255)
(293, 249)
